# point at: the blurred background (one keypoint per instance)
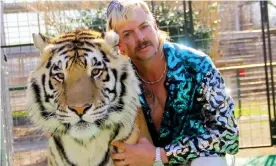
(239, 36)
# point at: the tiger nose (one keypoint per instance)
(80, 110)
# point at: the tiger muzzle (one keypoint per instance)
(80, 110)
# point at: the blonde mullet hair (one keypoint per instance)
(119, 16)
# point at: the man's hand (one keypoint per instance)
(142, 153)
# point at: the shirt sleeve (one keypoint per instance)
(217, 110)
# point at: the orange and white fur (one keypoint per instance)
(86, 95)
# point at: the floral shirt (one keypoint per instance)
(198, 119)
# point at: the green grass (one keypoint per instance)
(19, 114)
(251, 108)
(249, 112)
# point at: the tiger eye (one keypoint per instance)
(95, 71)
(69, 46)
(60, 75)
(79, 44)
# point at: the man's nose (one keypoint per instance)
(140, 35)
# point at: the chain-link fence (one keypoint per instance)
(230, 32)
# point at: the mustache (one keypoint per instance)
(141, 44)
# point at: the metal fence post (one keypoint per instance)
(152, 7)
(238, 91)
(5, 107)
(270, 60)
(188, 24)
(5, 118)
(263, 8)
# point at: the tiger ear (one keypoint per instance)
(112, 39)
(40, 41)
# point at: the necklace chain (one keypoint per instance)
(153, 82)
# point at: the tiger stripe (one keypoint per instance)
(81, 69)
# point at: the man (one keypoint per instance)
(189, 114)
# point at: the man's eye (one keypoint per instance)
(145, 26)
(126, 34)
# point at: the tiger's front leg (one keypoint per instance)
(56, 153)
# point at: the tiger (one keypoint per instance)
(85, 94)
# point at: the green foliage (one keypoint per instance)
(89, 19)
(271, 3)
(172, 20)
(92, 19)
(203, 37)
(169, 19)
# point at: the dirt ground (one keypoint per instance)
(254, 132)
(262, 151)
(30, 158)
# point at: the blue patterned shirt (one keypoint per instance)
(198, 119)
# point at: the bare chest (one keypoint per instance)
(156, 98)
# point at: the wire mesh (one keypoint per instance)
(5, 111)
(5, 119)
(228, 31)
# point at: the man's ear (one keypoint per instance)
(121, 48)
(40, 41)
(155, 27)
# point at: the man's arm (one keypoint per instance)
(221, 131)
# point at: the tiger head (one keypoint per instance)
(82, 84)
